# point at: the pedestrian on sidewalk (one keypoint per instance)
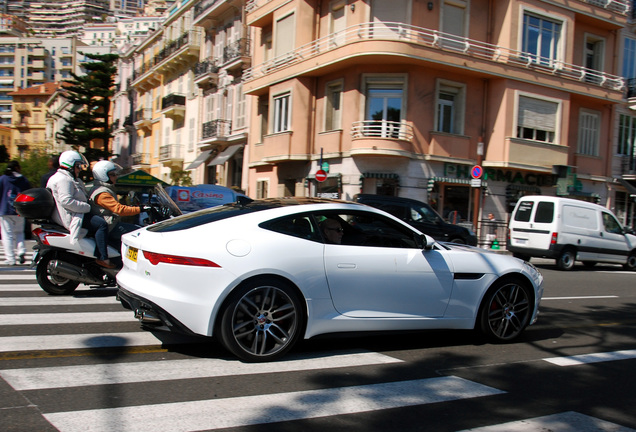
(12, 224)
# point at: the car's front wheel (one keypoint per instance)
(262, 320)
(505, 311)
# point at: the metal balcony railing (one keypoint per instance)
(216, 129)
(382, 129)
(173, 100)
(170, 152)
(628, 164)
(140, 159)
(439, 41)
(237, 49)
(205, 67)
(143, 114)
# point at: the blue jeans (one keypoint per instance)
(97, 226)
(121, 228)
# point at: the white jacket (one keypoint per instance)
(71, 200)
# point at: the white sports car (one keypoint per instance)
(258, 275)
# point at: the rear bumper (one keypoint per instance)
(151, 316)
(537, 253)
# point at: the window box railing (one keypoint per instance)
(140, 158)
(173, 100)
(382, 129)
(171, 152)
(216, 129)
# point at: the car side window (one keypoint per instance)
(611, 224)
(368, 229)
(300, 226)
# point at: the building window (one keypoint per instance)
(594, 53)
(589, 125)
(333, 106)
(241, 103)
(337, 22)
(450, 108)
(281, 113)
(454, 23)
(384, 105)
(541, 38)
(537, 119)
(284, 31)
(261, 189)
(629, 58)
(626, 135)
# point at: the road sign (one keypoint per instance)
(475, 183)
(321, 175)
(476, 172)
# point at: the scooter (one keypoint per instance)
(60, 266)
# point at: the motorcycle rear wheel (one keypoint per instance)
(52, 284)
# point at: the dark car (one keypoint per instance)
(420, 216)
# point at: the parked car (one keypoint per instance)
(259, 275)
(569, 230)
(421, 216)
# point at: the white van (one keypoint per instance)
(569, 230)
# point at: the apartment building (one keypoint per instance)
(28, 131)
(182, 86)
(63, 18)
(407, 97)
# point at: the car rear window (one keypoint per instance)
(545, 212)
(524, 211)
(206, 216)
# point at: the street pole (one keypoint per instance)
(477, 191)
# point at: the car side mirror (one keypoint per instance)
(424, 242)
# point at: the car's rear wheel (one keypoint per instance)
(565, 261)
(505, 311)
(262, 320)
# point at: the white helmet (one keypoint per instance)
(102, 168)
(70, 158)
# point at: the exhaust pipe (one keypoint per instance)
(73, 272)
(146, 316)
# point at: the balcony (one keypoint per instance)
(526, 154)
(173, 106)
(206, 12)
(21, 124)
(145, 77)
(143, 118)
(21, 143)
(206, 74)
(215, 131)
(140, 159)
(21, 107)
(431, 46)
(181, 50)
(236, 56)
(381, 137)
(171, 154)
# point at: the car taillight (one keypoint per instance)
(42, 235)
(553, 240)
(156, 258)
(24, 198)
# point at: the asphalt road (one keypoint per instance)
(82, 363)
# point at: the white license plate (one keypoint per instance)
(131, 253)
(521, 241)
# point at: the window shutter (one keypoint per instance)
(537, 114)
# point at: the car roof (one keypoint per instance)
(387, 198)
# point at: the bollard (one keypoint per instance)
(495, 245)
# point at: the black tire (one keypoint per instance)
(53, 285)
(566, 260)
(506, 310)
(630, 264)
(262, 320)
(589, 264)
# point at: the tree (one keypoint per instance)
(90, 96)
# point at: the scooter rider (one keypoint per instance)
(104, 201)
(73, 209)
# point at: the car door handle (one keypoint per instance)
(346, 266)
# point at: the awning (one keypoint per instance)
(630, 185)
(526, 188)
(199, 160)
(380, 175)
(433, 180)
(225, 155)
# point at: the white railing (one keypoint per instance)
(382, 129)
(439, 41)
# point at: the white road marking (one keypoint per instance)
(165, 370)
(564, 422)
(66, 318)
(20, 287)
(579, 297)
(592, 358)
(56, 301)
(21, 276)
(262, 409)
(76, 341)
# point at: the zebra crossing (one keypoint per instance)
(110, 393)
